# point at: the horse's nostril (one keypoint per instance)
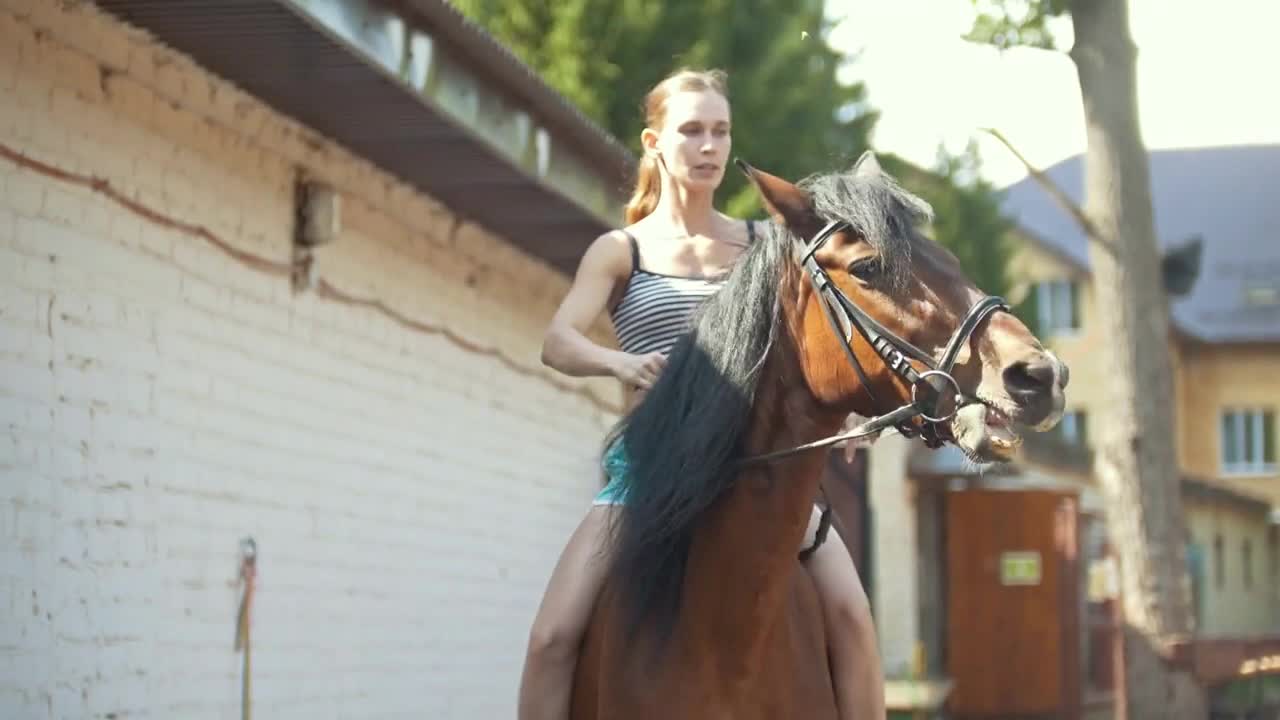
(1029, 380)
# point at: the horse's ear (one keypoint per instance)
(787, 204)
(867, 165)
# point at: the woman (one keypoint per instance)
(650, 276)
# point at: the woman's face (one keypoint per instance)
(694, 140)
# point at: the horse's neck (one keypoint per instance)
(744, 557)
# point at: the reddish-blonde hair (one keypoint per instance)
(648, 180)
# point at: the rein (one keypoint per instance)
(870, 427)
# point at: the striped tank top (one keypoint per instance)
(655, 309)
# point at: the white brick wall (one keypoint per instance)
(160, 400)
(897, 554)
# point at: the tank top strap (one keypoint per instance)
(635, 250)
(751, 231)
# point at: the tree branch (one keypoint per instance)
(1058, 194)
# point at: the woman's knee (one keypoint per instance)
(566, 607)
(839, 585)
(853, 610)
(554, 639)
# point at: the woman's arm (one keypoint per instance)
(566, 346)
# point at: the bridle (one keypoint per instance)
(927, 388)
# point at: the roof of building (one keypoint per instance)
(423, 93)
(1223, 194)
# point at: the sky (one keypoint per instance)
(1204, 79)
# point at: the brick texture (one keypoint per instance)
(160, 400)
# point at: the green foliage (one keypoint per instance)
(791, 114)
(967, 216)
(1016, 23)
(969, 222)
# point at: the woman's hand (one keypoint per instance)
(640, 370)
(851, 446)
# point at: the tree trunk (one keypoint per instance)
(1136, 459)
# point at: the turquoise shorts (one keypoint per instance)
(615, 468)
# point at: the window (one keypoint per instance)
(1248, 442)
(1073, 429)
(1262, 295)
(1058, 306)
(1195, 567)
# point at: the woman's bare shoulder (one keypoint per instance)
(737, 230)
(610, 253)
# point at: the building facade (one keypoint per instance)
(1225, 348)
(175, 380)
(1226, 355)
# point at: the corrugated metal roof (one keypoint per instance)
(280, 51)
(1220, 193)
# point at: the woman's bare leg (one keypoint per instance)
(854, 649)
(556, 637)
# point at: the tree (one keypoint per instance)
(967, 215)
(1136, 456)
(791, 113)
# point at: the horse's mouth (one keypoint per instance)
(1002, 436)
(986, 433)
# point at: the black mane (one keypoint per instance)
(684, 438)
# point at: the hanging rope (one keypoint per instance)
(248, 574)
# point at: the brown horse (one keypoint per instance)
(842, 306)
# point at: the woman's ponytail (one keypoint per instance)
(648, 189)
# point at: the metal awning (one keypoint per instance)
(421, 92)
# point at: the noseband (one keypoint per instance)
(927, 388)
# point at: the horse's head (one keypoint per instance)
(859, 228)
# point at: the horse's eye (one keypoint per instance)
(867, 269)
